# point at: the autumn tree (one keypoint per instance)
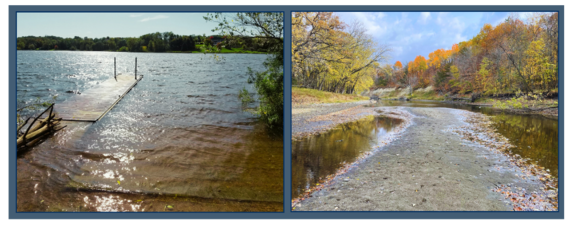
(513, 55)
(330, 55)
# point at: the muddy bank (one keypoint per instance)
(428, 168)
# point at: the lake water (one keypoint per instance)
(179, 141)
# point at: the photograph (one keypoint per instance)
(425, 111)
(149, 111)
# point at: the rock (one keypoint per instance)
(73, 92)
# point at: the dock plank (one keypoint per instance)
(93, 104)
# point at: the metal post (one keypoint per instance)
(135, 68)
(115, 68)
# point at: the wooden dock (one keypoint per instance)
(93, 104)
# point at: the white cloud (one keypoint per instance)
(440, 17)
(455, 23)
(153, 18)
(459, 38)
(525, 15)
(371, 26)
(396, 50)
(416, 37)
(424, 17)
(380, 15)
(495, 23)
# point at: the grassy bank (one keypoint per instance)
(513, 102)
(311, 96)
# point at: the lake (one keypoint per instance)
(179, 141)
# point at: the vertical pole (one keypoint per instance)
(115, 68)
(135, 68)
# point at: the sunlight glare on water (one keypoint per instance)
(181, 131)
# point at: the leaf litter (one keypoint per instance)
(480, 131)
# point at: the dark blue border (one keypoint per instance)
(287, 116)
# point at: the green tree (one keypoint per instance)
(207, 42)
(269, 83)
(21, 45)
(443, 75)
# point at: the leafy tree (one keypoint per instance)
(329, 55)
(513, 55)
(267, 27)
(207, 42)
(442, 76)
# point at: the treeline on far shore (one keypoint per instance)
(152, 42)
(514, 56)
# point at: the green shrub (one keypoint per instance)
(245, 97)
(269, 85)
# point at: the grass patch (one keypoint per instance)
(310, 96)
(531, 101)
(393, 94)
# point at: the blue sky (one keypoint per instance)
(98, 25)
(419, 33)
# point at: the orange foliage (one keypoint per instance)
(454, 49)
(398, 65)
(494, 60)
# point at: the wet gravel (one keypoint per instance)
(427, 169)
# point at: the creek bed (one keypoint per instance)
(315, 157)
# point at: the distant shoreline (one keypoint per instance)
(186, 52)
